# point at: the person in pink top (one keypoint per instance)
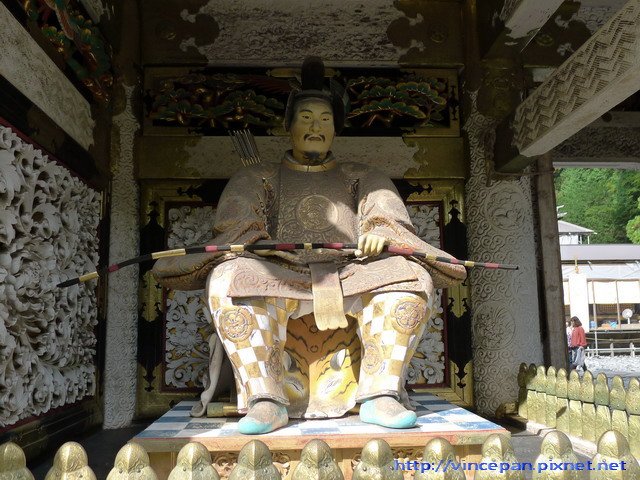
(578, 344)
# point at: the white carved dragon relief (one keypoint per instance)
(48, 233)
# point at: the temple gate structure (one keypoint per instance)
(114, 121)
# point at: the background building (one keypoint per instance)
(600, 282)
(572, 234)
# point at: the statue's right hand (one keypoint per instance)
(264, 253)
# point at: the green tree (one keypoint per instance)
(633, 227)
(603, 200)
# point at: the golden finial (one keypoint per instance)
(613, 449)
(70, 463)
(132, 462)
(601, 390)
(632, 400)
(617, 395)
(317, 463)
(497, 448)
(13, 464)
(633, 409)
(587, 390)
(573, 387)
(562, 384)
(377, 462)
(255, 463)
(556, 447)
(439, 451)
(551, 403)
(194, 463)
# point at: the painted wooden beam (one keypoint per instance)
(598, 76)
(28, 68)
(513, 23)
(609, 142)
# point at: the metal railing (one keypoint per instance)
(606, 343)
(612, 350)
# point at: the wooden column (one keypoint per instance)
(551, 305)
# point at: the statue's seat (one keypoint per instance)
(321, 368)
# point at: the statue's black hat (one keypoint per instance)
(313, 86)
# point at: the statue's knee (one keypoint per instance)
(409, 312)
(234, 322)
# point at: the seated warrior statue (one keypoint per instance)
(311, 197)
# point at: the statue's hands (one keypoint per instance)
(264, 253)
(370, 245)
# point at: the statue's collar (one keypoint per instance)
(290, 162)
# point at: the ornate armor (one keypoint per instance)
(315, 205)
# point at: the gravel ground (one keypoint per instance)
(624, 365)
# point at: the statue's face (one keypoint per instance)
(312, 130)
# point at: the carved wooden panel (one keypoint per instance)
(188, 321)
(599, 75)
(392, 102)
(48, 233)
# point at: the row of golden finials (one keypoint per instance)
(376, 462)
(580, 407)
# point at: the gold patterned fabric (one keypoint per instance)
(327, 296)
(390, 326)
(254, 334)
(257, 352)
(278, 203)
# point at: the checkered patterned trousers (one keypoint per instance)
(253, 331)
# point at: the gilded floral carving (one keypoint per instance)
(428, 364)
(188, 326)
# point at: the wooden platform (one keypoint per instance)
(346, 436)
